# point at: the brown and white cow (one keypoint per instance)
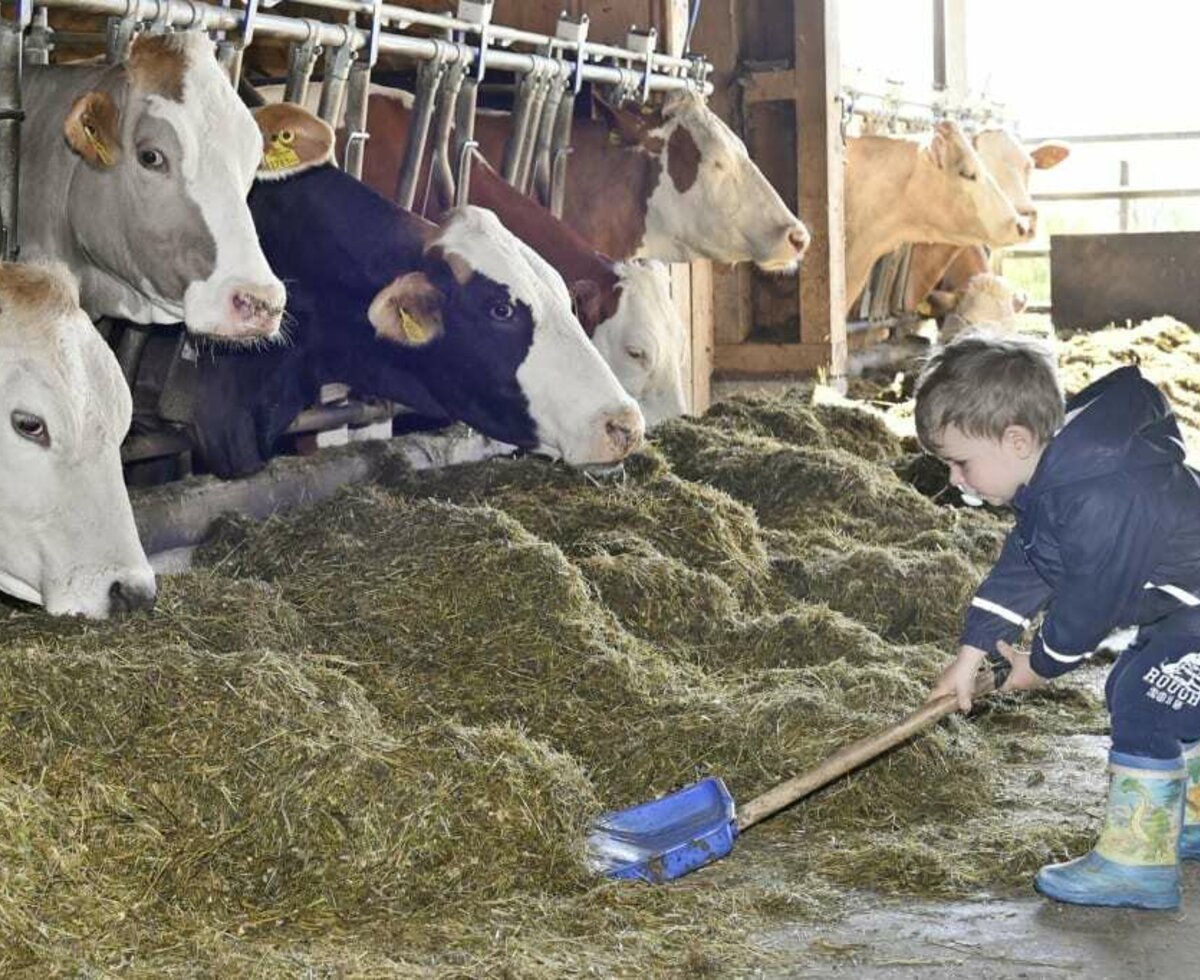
(900, 190)
(983, 300)
(1012, 167)
(672, 183)
(136, 177)
(67, 537)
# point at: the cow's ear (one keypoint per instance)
(938, 303)
(294, 140)
(948, 146)
(586, 301)
(92, 129)
(408, 311)
(624, 127)
(1049, 154)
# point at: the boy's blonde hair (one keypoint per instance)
(982, 384)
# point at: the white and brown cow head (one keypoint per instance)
(67, 537)
(642, 335)
(1012, 165)
(711, 201)
(157, 203)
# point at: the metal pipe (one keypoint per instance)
(429, 77)
(441, 171)
(324, 417)
(541, 89)
(522, 111)
(1118, 194)
(464, 137)
(301, 58)
(541, 164)
(561, 155)
(356, 118)
(333, 85)
(1187, 134)
(209, 17)
(10, 138)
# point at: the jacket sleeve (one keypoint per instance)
(1108, 542)
(1006, 602)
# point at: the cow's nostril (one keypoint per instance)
(125, 597)
(624, 438)
(798, 238)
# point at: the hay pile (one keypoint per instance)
(366, 739)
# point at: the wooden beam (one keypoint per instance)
(771, 359)
(770, 86)
(701, 336)
(821, 177)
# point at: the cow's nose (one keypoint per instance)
(625, 431)
(799, 239)
(1024, 228)
(258, 307)
(1031, 219)
(127, 597)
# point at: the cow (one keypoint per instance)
(67, 537)
(1012, 166)
(625, 307)
(458, 322)
(672, 183)
(983, 300)
(898, 190)
(136, 177)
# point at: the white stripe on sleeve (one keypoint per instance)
(1062, 658)
(1187, 598)
(998, 610)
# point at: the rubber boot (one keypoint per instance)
(1189, 839)
(1135, 862)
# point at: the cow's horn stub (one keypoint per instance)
(294, 140)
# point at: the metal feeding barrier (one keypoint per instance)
(452, 53)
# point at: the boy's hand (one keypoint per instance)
(1022, 677)
(958, 678)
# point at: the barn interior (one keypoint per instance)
(384, 693)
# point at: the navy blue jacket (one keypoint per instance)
(1108, 530)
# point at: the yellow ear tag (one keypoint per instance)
(924, 309)
(280, 155)
(614, 137)
(97, 144)
(413, 331)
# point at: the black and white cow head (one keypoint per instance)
(491, 326)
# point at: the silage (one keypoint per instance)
(377, 727)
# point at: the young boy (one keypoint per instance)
(1107, 535)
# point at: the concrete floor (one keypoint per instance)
(997, 940)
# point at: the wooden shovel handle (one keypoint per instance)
(855, 754)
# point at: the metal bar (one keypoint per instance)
(464, 132)
(542, 164)
(356, 118)
(301, 58)
(541, 90)
(429, 77)
(324, 417)
(561, 152)
(187, 13)
(10, 138)
(511, 164)
(1118, 194)
(1118, 137)
(333, 86)
(441, 170)
(1123, 209)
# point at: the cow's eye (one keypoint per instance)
(31, 427)
(502, 311)
(152, 159)
(636, 353)
(968, 175)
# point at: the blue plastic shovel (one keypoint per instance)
(672, 836)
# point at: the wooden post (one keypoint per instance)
(821, 177)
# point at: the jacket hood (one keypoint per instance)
(1120, 422)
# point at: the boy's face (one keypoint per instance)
(989, 468)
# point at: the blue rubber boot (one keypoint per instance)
(1135, 862)
(1189, 839)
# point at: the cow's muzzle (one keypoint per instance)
(254, 311)
(129, 595)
